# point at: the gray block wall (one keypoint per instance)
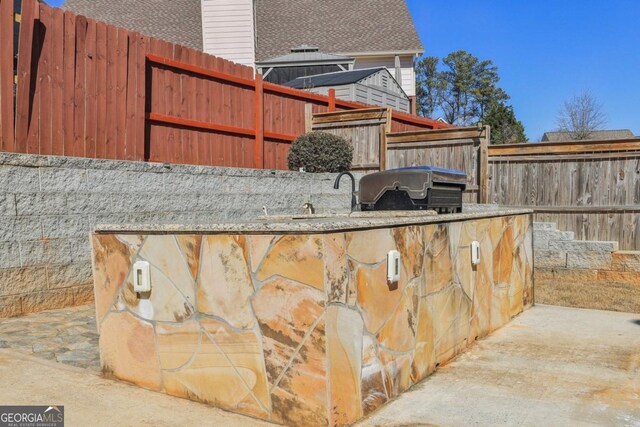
(49, 205)
(555, 248)
(558, 257)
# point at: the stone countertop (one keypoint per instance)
(319, 223)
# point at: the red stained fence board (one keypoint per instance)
(90, 89)
(7, 140)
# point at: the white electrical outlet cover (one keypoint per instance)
(475, 252)
(141, 277)
(393, 266)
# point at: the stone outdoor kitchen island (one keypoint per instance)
(292, 320)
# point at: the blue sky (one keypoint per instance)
(546, 51)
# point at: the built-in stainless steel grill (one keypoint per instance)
(413, 188)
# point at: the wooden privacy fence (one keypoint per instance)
(378, 147)
(89, 89)
(463, 149)
(366, 129)
(591, 188)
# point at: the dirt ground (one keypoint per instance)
(613, 297)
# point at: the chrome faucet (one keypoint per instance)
(336, 185)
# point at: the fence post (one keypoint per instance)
(259, 122)
(483, 167)
(389, 119)
(385, 128)
(308, 118)
(382, 162)
(6, 76)
(332, 100)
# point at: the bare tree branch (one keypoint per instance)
(581, 115)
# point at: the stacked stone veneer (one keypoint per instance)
(49, 205)
(304, 329)
(561, 258)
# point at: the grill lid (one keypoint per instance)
(415, 181)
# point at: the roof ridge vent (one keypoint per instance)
(305, 48)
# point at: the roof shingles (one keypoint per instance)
(335, 26)
(177, 21)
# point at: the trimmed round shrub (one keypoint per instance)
(320, 152)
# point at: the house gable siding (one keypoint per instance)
(228, 30)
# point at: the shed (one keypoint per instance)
(372, 86)
(301, 62)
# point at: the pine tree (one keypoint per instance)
(505, 128)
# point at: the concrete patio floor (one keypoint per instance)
(549, 366)
(90, 400)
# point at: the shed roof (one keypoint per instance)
(594, 136)
(177, 21)
(307, 56)
(338, 78)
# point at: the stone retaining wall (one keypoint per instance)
(48, 206)
(560, 258)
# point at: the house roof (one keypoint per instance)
(337, 26)
(338, 78)
(596, 135)
(177, 21)
(342, 27)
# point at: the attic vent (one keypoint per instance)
(305, 48)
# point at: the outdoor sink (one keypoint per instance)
(355, 214)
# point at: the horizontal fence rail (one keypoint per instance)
(565, 148)
(89, 89)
